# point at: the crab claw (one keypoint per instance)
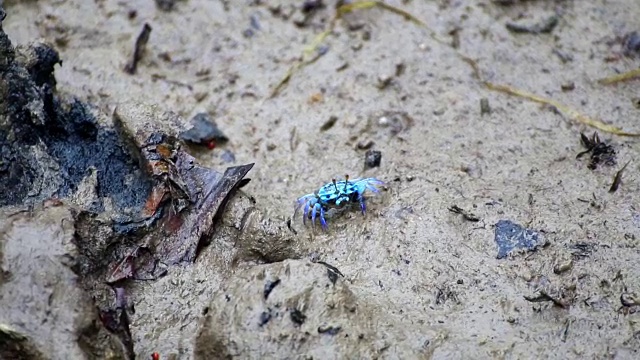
(370, 184)
(364, 185)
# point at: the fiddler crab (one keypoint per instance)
(336, 194)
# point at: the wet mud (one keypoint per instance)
(150, 160)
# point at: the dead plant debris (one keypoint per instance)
(329, 123)
(543, 296)
(117, 321)
(581, 250)
(618, 179)
(329, 330)
(138, 50)
(601, 152)
(544, 27)
(626, 76)
(465, 214)
(269, 286)
(331, 267)
(297, 316)
(572, 114)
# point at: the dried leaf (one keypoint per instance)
(209, 191)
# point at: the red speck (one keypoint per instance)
(155, 356)
(211, 144)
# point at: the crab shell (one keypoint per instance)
(335, 195)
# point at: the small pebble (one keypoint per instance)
(264, 318)
(485, 108)
(248, 33)
(632, 43)
(439, 111)
(568, 86)
(384, 81)
(372, 159)
(329, 123)
(204, 131)
(629, 299)
(228, 156)
(311, 5)
(342, 66)
(199, 96)
(364, 144)
(563, 266)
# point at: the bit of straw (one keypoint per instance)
(629, 75)
(310, 53)
(572, 114)
(359, 5)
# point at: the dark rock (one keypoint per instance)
(372, 158)
(510, 236)
(204, 131)
(632, 43)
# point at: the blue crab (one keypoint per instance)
(335, 194)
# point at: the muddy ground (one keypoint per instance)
(419, 281)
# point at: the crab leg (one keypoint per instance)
(313, 214)
(362, 204)
(298, 206)
(322, 220)
(306, 212)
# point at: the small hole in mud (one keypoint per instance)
(205, 311)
